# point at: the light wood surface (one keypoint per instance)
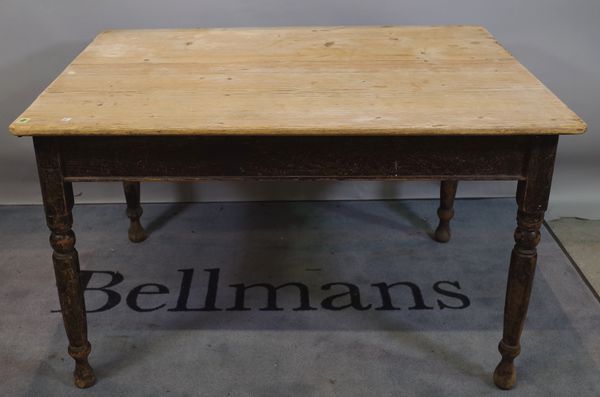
(437, 80)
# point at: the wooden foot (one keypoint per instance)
(134, 211)
(446, 210)
(505, 375)
(83, 375)
(58, 203)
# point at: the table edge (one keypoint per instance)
(578, 129)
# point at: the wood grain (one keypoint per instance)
(437, 80)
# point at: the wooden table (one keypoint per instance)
(441, 103)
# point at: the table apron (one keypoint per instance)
(308, 157)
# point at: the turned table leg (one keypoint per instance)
(446, 210)
(134, 211)
(58, 203)
(532, 201)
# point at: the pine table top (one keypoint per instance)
(386, 80)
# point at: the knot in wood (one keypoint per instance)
(62, 242)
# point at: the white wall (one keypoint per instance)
(558, 40)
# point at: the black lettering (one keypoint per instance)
(186, 285)
(113, 297)
(386, 299)
(456, 295)
(353, 293)
(132, 297)
(240, 296)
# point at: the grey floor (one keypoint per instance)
(581, 239)
(444, 346)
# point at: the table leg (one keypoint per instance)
(446, 210)
(134, 211)
(532, 201)
(58, 203)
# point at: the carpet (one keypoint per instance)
(345, 298)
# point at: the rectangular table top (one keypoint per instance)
(386, 80)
